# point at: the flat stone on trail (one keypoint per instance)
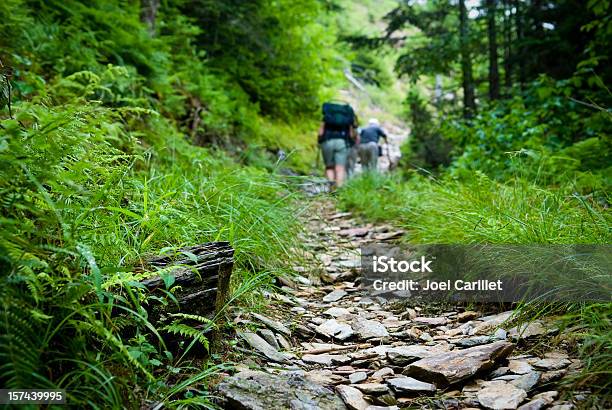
(383, 373)
(547, 396)
(552, 363)
(325, 377)
(354, 232)
(334, 296)
(372, 388)
(257, 390)
(527, 381)
(431, 321)
(402, 355)
(336, 311)
(501, 396)
(527, 331)
(472, 341)
(519, 367)
(458, 365)
(324, 359)
(536, 404)
(337, 330)
(352, 397)
(358, 377)
(367, 329)
(269, 337)
(467, 315)
(386, 236)
(259, 344)
(272, 324)
(410, 385)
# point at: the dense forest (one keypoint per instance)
(136, 128)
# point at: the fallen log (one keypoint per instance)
(198, 277)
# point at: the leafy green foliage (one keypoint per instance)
(275, 50)
(558, 138)
(478, 209)
(98, 171)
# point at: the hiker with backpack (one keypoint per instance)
(369, 150)
(336, 134)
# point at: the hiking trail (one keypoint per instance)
(323, 342)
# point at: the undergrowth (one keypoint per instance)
(480, 210)
(87, 192)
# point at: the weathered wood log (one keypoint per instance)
(200, 278)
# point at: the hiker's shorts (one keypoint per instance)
(368, 153)
(335, 152)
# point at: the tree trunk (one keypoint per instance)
(469, 103)
(493, 66)
(520, 40)
(148, 14)
(508, 45)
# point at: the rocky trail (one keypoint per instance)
(324, 343)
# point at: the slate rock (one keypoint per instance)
(547, 396)
(431, 321)
(472, 341)
(263, 347)
(358, 377)
(527, 381)
(406, 354)
(272, 324)
(372, 388)
(367, 329)
(410, 385)
(257, 390)
(519, 367)
(552, 363)
(500, 371)
(501, 396)
(467, 315)
(383, 373)
(269, 337)
(536, 404)
(324, 359)
(324, 377)
(352, 397)
(334, 296)
(458, 365)
(527, 330)
(336, 311)
(334, 329)
(552, 375)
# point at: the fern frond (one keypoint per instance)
(186, 331)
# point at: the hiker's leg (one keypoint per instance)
(327, 149)
(340, 174)
(374, 158)
(363, 156)
(340, 160)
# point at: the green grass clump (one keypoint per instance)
(86, 193)
(480, 210)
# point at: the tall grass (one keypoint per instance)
(86, 193)
(482, 211)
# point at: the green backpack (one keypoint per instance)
(338, 115)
